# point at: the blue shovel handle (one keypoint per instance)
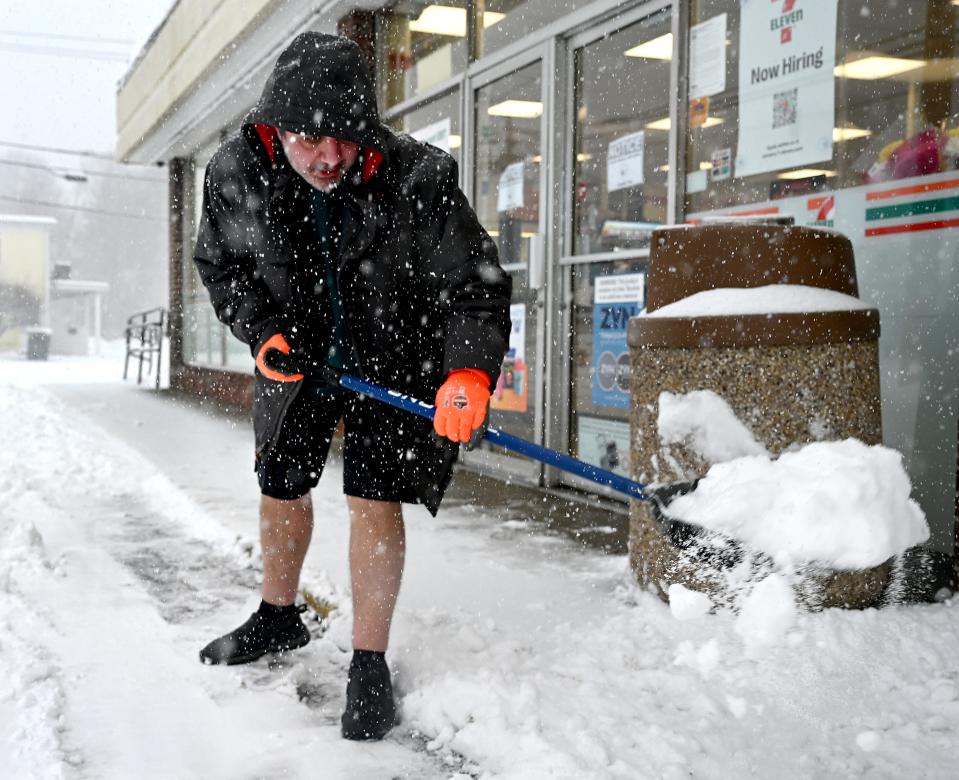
(720, 551)
(505, 440)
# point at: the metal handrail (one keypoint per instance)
(144, 334)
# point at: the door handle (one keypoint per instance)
(536, 267)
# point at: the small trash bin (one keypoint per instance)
(791, 377)
(38, 343)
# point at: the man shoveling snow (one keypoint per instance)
(327, 239)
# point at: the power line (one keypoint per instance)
(75, 152)
(62, 37)
(53, 171)
(59, 51)
(66, 206)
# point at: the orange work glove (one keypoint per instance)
(280, 344)
(461, 405)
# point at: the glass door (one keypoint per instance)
(506, 182)
(620, 79)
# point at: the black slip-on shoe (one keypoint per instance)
(370, 710)
(257, 637)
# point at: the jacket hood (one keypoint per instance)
(321, 86)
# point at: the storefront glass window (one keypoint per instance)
(845, 115)
(202, 332)
(836, 95)
(502, 22)
(436, 123)
(206, 341)
(621, 131)
(419, 45)
(506, 196)
(622, 128)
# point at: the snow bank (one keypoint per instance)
(842, 504)
(552, 664)
(707, 423)
(771, 299)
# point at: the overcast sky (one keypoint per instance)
(60, 61)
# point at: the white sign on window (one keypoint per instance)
(707, 57)
(437, 134)
(510, 192)
(624, 161)
(619, 288)
(787, 52)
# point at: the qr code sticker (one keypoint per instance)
(784, 108)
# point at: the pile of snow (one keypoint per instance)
(707, 423)
(843, 504)
(771, 299)
(767, 612)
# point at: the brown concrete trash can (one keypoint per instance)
(778, 372)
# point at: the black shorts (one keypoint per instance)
(375, 448)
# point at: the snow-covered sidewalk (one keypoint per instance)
(126, 541)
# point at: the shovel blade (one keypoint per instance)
(699, 544)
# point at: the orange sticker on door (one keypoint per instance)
(698, 111)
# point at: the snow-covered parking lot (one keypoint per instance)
(127, 523)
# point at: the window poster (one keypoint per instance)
(624, 161)
(603, 443)
(616, 298)
(722, 164)
(437, 134)
(509, 194)
(512, 387)
(707, 57)
(787, 52)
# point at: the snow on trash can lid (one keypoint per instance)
(771, 315)
(742, 255)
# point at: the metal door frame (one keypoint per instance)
(477, 78)
(558, 434)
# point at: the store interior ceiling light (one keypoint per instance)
(840, 134)
(521, 109)
(665, 124)
(446, 20)
(581, 157)
(523, 234)
(660, 48)
(876, 67)
(805, 173)
(703, 166)
(456, 141)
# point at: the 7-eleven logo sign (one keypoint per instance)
(821, 210)
(788, 16)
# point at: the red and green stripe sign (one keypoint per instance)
(899, 210)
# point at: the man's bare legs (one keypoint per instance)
(285, 531)
(377, 552)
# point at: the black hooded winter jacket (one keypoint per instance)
(419, 278)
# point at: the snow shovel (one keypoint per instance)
(702, 545)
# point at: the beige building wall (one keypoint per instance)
(24, 262)
(187, 44)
